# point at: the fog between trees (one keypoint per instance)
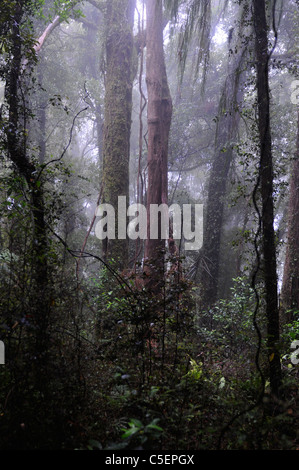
(142, 343)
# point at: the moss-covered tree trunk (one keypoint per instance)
(266, 186)
(117, 116)
(159, 121)
(290, 286)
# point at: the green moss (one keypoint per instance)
(118, 107)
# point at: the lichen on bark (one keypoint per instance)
(118, 108)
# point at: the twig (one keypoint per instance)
(87, 235)
(65, 149)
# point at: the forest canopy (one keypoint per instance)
(149, 224)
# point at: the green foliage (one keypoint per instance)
(95, 360)
(292, 329)
(142, 434)
(64, 9)
(231, 321)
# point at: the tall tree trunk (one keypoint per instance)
(92, 69)
(266, 184)
(159, 121)
(99, 127)
(227, 129)
(16, 145)
(117, 121)
(290, 285)
(41, 116)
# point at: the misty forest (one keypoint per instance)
(112, 338)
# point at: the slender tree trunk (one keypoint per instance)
(41, 115)
(290, 285)
(16, 144)
(92, 68)
(117, 121)
(99, 126)
(266, 183)
(159, 121)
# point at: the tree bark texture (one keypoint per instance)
(290, 285)
(16, 146)
(117, 116)
(266, 185)
(227, 129)
(159, 115)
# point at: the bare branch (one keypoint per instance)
(57, 20)
(67, 146)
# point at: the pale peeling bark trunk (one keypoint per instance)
(266, 182)
(290, 286)
(159, 121)
(117, 120)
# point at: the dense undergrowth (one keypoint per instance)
(125, 369)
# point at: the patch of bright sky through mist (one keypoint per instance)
(220, 36)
